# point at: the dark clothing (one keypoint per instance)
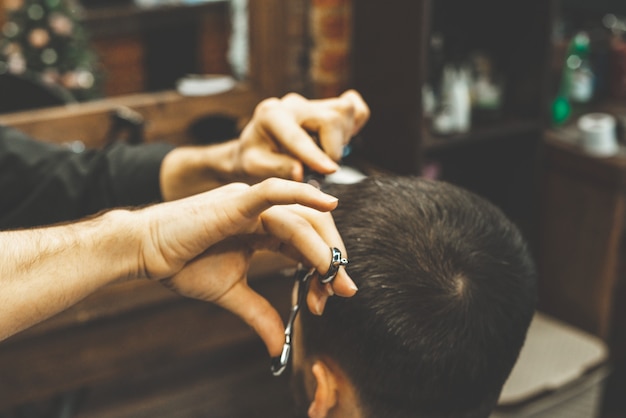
(43, 183)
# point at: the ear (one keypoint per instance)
(325, 397)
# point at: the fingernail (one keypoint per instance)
(331, 198)
(330, 165)
(351, 284)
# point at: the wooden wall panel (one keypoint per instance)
(167, 115)
(123, 66)
(278, 41)
(142, 341)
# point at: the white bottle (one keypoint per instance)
(462, 100)
(455, 113)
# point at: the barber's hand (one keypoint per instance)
(277, 142)
(204, 243)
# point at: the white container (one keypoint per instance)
(597, 134)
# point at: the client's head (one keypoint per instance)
(446, 294)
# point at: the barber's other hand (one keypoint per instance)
(204, 243)
(277, 142)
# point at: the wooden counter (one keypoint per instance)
(583, 212)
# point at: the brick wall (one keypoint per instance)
(330, 33)
(297, 45)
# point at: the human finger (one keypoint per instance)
(295, 231)
(288, 132)
(324, 225)
(361, 109)
(180, 230)
(331, 120)
(342, 285)
(262, 196)
(262, 163)
(319, 292)
(336, 120)
(257, 312)
(335, 130)
(307, 239)
(317, 297)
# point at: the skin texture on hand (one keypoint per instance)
(188, 170)
(277, 142)
(202, 246)
(283, 216)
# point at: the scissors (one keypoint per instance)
(302, 276)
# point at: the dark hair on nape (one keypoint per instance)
(447, 290)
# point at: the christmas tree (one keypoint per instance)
(44, 40)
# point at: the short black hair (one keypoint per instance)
(447, 290)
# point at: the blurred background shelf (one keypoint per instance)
(148, 49)
(493, 131)
(496, 159)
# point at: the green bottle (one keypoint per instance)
(577, 80)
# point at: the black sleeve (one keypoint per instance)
(43, 183)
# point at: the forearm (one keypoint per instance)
(44, 271)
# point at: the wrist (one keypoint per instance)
(221, 159)
(119, 236)
(189, 170)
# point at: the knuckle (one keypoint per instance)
(333, 118)
(357, 101)
(267, 106)
(346, 107)
(353, 96)
(365, 111)
(292, 97)
(270, 184)
(298, 226)
(237, 186)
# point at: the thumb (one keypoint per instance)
(257, 312)
(264, 163)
